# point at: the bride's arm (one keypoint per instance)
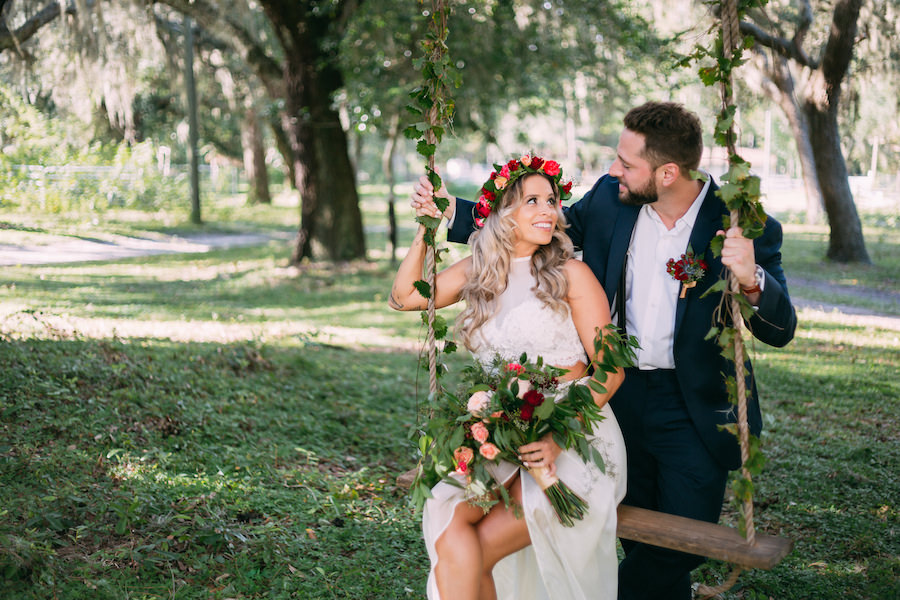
(590, 310)
(448, 283)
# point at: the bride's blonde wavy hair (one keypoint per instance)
(492, 252)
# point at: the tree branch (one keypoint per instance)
(788, 49)
(841, 40)
(13, 39)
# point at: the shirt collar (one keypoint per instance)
(688, 219)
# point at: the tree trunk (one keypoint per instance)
(330, 218)
(284, 148)
(255, 158)
(846, 240)
(387, 163)
(820, 106)
(783, 91)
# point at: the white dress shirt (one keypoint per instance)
(651, 293)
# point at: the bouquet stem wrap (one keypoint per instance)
(568, 506)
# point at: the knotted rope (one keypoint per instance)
(730, 40)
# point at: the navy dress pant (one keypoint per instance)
(669, 470)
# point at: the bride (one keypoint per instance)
(524, 292)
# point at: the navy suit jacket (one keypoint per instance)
(601, 226)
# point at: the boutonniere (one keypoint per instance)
(688, 270)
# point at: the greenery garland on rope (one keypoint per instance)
(433, 105)
(740, 191)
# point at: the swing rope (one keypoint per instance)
(730, 41)
(438, 26)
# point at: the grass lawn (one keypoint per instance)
(226, 426)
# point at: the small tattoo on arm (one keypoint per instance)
(394, 302)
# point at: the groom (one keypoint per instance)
(673, 402)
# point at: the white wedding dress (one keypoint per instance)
(562, 563)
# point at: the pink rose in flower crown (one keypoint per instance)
(525, 159)
(500, 182)
(504, 172)
(489, 451)
(480, 432)
(551, 168)
(478, 402)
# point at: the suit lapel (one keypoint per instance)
(709, 221)
(618, 247)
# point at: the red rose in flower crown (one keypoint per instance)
(503, 177)
(688, 270)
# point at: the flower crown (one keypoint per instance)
(503, 177)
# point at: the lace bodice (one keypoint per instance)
(525, 324)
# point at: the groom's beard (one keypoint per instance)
(645, 195)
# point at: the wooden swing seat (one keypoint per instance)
(699, 537)
(688, 535)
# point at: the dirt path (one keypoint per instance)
(113, 247)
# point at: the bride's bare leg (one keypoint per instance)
(500, 533)
(458, 570)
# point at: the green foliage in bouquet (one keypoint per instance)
(505, 405)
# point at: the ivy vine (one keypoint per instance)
(740, 191)
(432, 105)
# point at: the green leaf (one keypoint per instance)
(440, 327)
(425, 149)
(717, 243)
(545, 410)
(434, 179)
(429, 221)
(718, 287)
(412, 132)
(423, 288)
(596, 386)
(728, 192)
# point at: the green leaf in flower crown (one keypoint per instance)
(423, 288)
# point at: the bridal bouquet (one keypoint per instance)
(501, 407)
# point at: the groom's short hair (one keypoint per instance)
(672, 134)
